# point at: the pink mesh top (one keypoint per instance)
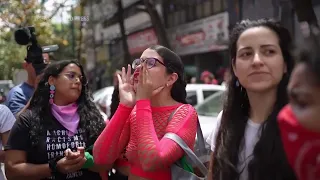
(137, 134)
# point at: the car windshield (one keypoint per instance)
(4, 88)
(212, 105)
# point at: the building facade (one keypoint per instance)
(281, 10)
(198, 32)
(104, 50)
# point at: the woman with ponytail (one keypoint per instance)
(134, 135)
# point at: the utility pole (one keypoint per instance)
(127, 57)
(93, 45)
(157, 23)
(82, 4)
(72, 33)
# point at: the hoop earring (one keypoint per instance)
(52, 91)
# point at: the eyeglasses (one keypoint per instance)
(151, 62)
(72, 76)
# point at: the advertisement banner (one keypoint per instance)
(200, 36)
(140, 41)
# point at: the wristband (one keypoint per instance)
(89, 163)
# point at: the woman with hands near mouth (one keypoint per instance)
(142, 118)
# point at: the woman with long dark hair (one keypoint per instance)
(142, 118)
(52, 137)
(246, 145)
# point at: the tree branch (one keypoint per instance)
(57, 10)
(141, 8)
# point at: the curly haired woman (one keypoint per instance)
(49, 138)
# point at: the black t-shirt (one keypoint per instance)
(52, 142)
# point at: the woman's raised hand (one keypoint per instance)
(127, 95)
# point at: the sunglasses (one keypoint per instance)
(151, 62)
(72, 76)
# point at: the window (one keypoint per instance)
(207, 93)
(224, 5)
(211, 106)
(172, 8)
(183, 15)
(169, 10)
(207, 8)
(192, 98)
(217, 6)
(190, 13)
(199, 10)
(180, 12)
(170, 20)
(176, 18)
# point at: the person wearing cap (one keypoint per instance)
(208, 78)
(19, 95)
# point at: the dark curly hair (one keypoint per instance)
(90, 118)
(269, 160)
(173, 64)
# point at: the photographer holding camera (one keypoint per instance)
(36, 60)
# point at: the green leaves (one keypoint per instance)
(15, 14)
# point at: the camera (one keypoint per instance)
(27, 36)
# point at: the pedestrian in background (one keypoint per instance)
(208, 78)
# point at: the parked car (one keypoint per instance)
(208, 111)
(102, 98)
(196, 93)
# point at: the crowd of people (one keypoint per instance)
(268, 128)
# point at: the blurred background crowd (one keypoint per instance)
(105, 34)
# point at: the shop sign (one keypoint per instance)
(140, 41)
(200, 36)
